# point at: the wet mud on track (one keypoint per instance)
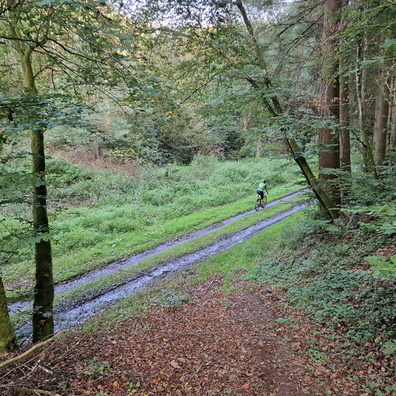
(67, 316)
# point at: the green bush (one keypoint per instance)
(62, 174)
(326, 284)
(202, 167)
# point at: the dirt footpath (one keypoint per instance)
(246, 343)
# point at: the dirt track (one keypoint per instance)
(77, 313)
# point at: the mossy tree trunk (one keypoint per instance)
(7, 333)
(361, 78)
(43, 322)
(345, 140)
(392, 142)
(380, 127)
(381, 120)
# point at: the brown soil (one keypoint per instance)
(246, 343)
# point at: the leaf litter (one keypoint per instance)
(246, 343)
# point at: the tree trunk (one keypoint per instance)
(393, 120)
(7, 334)
(43, 322)
(329, 139)
(381, 123)
(380, 128)
(323, 198)
(345, 140)
(361, 96)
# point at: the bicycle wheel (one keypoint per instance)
(264, 201)
(257, 205)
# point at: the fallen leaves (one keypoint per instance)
(216, 345)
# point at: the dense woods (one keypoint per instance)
(153, 87)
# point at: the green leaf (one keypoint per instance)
(382, 266)
(389, 43)
(390, 349)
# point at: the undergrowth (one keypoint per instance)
(323, 270)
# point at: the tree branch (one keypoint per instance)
(30, 390)
(197, 89)
(26, 354)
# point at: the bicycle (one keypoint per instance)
(260, 203)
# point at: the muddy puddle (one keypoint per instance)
(68, 316)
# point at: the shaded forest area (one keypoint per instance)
(167, 94)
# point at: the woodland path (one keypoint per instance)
(249, 343)
(210, 344)
(78, 312)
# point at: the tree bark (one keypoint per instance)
(323, 198)
(329, 139)
(381, 122)
(361, 96)
(392, 142)
(43, 323)
(7, 334)
(380, 128)
(345, 140)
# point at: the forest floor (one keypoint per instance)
(246, 343)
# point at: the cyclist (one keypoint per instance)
(260, 190)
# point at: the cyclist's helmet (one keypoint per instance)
(264, 181)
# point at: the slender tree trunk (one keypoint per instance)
(273, 105)
(345, 140)
(380, 127)
(7, 334)
(392, 142)
(321, 195)
(43, 322)
(329, 139)
(361, 96)
(381, 121)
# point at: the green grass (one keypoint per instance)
(186, 248)
(248, 255)
(127, 216)
(245, 256)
